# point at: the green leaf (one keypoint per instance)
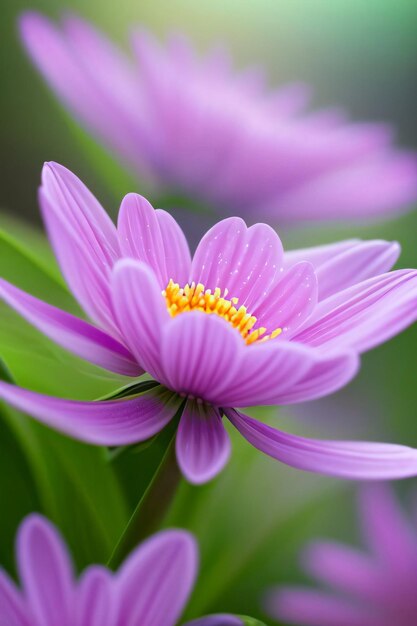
(20, 266)
(250, 621)
(154, 491)
(17, 486)
(32, 239)
(72, 483)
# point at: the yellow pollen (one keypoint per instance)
(196, 298)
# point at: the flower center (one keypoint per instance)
(196, 298)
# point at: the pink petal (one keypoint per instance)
(46, 572)
(318, 255)
(296, 605)
(343, 568)
(155, 582)
(371, 187)
(200, 354)
(264, 372)
(13, 608)
(107, 423)
(291, 300)
(141, 312)
(71, 333)
(328, 374)
(246, 261)
(339, 266)
(96, 601)
(155, 238)
(202, 443)
(83, 237)
(387, 531)
(345, 459)
(92, 77)
(364, 315)
(367, 259)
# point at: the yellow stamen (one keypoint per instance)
(196, 298)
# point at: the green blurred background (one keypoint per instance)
(360, 55)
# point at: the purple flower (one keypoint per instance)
(151, 588)
(197, 128)
(239, 324)
(372, 588)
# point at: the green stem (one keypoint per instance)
(151, 508)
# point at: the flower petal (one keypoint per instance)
(13, 608)
(202, 443)
(318, 255)
(95, 602)
(92, 77)
(343, 568)
(264, 372)
(155, 238)
(83, 237)
(387, 530)
(141, 312)
(365, 315)
(298, 605)
(73, 334)
(155, 582)
(200, 354)
(347, 263)
(107, 423)
(46, 572)
(246, 261)
(370, 187)
(345, 459)
(328, 374)
(291, 300)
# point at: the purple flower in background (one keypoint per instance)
(151, 588)
(199, 129)
(239, 324)
(372, 588)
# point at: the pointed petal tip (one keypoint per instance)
(135, 202)
(28, 21)
(351, 460)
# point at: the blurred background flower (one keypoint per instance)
(372, 586)
(194, 129)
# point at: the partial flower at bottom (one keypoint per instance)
(151, 588)
(240, 324)
(371, 587)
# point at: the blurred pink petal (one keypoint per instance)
(198, 128)
(375, 587)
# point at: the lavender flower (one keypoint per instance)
(200, 129)
(372, 588)
(240, 324)
(151, 588)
